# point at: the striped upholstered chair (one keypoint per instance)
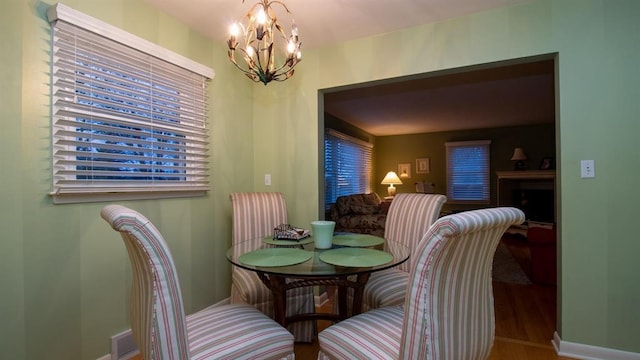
(158, 322)
(255, 214)
(409, 217)
(448, 313)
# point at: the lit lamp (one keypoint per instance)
(391, 179)
(519, 157)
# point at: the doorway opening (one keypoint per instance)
(487, 97)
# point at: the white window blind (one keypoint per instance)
(347, 166)
(124, 120)
(468, 171)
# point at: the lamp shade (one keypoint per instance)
(391, 179)
(518, 154)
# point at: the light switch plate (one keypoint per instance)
(587, 169)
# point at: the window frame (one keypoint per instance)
(179, 186)
(365, 182)
(485, 172)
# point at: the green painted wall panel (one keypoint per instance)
(596, 42)
(67, 272)
(538, 141)
(12, 305)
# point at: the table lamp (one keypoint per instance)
(519, 157)
(391, 179)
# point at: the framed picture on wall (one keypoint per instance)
(546, 163)
(423, 166)
(404, 170)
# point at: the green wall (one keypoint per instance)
(598, 51)
(65, 274)
(538, 141)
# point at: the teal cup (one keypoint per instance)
(323, 233)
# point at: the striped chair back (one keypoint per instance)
(449, 310)
(409, 217)
(255, 214)
(157, 313)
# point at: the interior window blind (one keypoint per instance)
(124, 120)
(468, 173)
(347, 166)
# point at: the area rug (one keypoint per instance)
(506, 268)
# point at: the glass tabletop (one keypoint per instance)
(391, 253)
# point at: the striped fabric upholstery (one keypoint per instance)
(220, 332)
(375, 334)
(409, 217)
(158, 321)
(255, 215)
(448, 313)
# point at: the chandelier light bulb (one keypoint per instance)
(234, 29)
(261, 18)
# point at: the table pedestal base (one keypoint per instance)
(279, 286)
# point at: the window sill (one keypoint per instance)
(78, 198)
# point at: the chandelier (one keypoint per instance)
(268, 53)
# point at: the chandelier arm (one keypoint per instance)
(280, 3)
(276, 74)
(285, 64)
(248, 73)
(252, 8)
(259, 62)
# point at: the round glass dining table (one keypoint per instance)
(283, 265)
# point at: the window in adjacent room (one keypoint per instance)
(468, 171)
(129, 118)
(347, 166)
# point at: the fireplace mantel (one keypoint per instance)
(526, 175)
(509, 181)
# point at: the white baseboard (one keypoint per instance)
(109, 357)
(123, 346)
(590, 352)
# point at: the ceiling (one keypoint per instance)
(325, 22)
(509, 95)
(497, 96)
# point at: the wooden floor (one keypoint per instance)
(525, 318)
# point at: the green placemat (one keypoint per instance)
(357, 240)
(271, 257)
(355, 257)
(270, 240)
